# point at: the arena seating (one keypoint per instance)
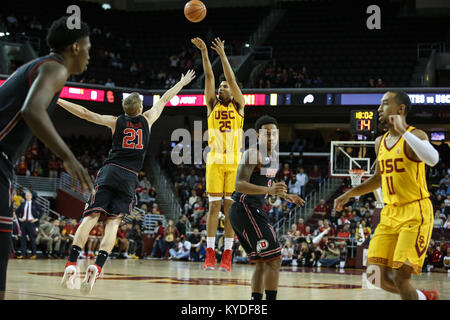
(151, 49)
(333, 42)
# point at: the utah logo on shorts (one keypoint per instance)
(261, 245)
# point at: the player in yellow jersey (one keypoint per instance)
(225, 124)
(399, 244)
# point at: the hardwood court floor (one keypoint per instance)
(167, 280)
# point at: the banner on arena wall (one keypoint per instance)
(111, 95)
(83, 94)
(374, 99)
(193, 100)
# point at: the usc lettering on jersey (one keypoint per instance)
(402, 179)
(225, 126)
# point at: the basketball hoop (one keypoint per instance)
(356, 175)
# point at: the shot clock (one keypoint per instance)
(363, 122)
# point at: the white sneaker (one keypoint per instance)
(68, 280)
(92, 274)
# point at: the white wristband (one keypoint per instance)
(422, 148)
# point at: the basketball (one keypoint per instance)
(195, 11)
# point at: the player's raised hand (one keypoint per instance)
(295, 199)
(218, 46)
(77, 171)
(187, 78)
(277, 189)
(199, 43)
(340, 202)
(397, 122)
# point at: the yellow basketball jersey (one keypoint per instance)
(402, 179)
(225, 126)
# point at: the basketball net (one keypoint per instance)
(356, 176)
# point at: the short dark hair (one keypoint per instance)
(59, 36)
(265, 119)
(222, 78)
(402, 98)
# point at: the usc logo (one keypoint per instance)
(421, 242)
(224, 115)
(390, 165)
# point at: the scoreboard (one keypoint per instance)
(363, 122)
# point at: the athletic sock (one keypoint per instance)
(229, 243)
(421, 295)
(74, 253)
(211, 242)
(101, 258)
(257, 296)
(271, 295)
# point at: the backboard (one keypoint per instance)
(348, 155)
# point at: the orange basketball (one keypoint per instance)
(195, 11)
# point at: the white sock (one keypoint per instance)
(211, 242)
(228, 243)
(421, 295)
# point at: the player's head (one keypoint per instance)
(393, 103)
(73, 42)
(132, 104)
(224, 91)
(267, 132)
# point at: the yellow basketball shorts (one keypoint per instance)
(402, 236)
(220, 179)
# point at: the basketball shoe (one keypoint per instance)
(225, 263)
(92, 273)
(70, 273)
(210, 260)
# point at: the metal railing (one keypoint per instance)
(266, 26)
(429, 74)
(424, 49)
(41, 184)
(165, 188)
(73, 186)
(327, 186)
(149, 222)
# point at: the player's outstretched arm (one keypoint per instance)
(49, 80)
(153, 114)
(83, 113)
(219, 47)
(210, 85)
(244, 173)
(370, 185)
